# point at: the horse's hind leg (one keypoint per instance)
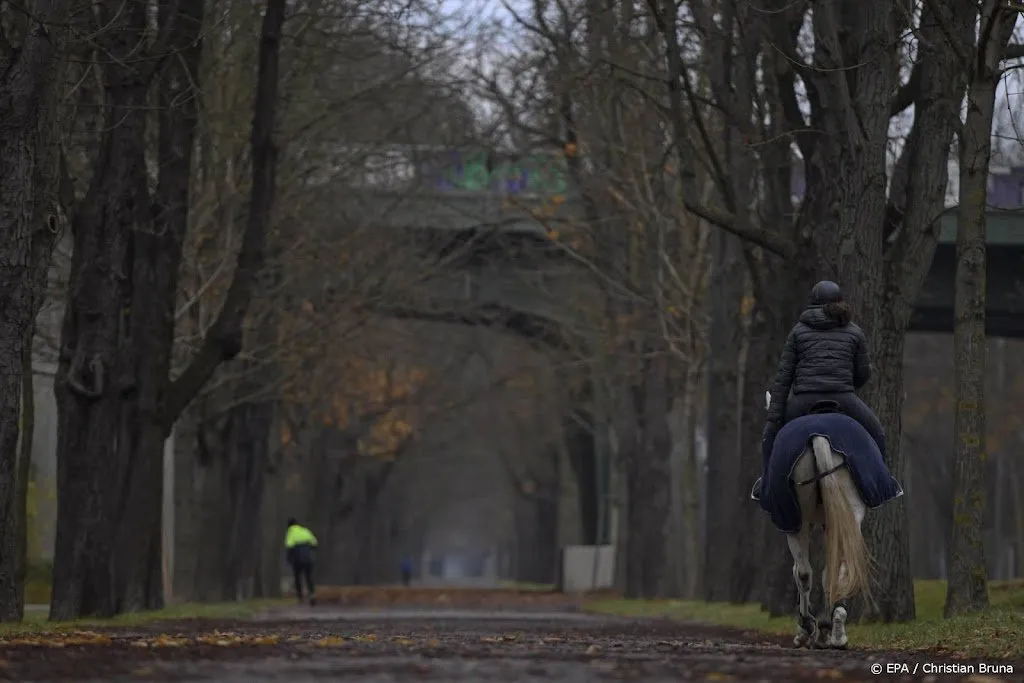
(836, 636)
(799, 548)
(832, 627)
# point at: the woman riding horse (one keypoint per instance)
(825, 359)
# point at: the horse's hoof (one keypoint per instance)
(801, 640)
(837, 643)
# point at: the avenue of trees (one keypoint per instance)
(178, 234)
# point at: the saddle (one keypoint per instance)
(826, 406)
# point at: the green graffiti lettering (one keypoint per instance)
(534, 173)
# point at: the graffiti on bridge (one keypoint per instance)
(538, 173)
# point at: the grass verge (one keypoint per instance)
(995, 632)
(36, 621)
(526, 586)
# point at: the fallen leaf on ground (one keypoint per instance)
(86, 638)
(222, 639)
(718, 676)
(169, 641)
(329, 641)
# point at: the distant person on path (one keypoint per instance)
(826, 358)
(406, 570)
(300, 551)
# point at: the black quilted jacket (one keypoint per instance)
(822, 355)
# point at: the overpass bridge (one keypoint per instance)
(511, 203)
(554, 290)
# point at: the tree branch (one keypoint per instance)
(908, 93)
(223, 340)
(768, 240)
(1014, 51)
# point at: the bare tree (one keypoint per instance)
(33, 38)
(968, 579)
(115, 395)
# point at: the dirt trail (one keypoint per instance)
(533, 643)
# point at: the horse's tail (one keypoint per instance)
(844, 541)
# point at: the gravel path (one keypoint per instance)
(364, 645)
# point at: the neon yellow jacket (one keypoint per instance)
(298, 535)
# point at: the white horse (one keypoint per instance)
(828, 497)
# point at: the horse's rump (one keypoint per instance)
(867, 469)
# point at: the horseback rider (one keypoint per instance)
(825, 359)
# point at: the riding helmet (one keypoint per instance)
(825, 292)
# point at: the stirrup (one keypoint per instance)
(755, 491)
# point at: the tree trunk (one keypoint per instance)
(723, 471)
(236, 458)
(581, 445)
(118, 331)
(31, 80)
(688, 490)
(1018, 518)
(13, 534)
(115, 399)
(192, 505)
(568, 494)
(95, 385)
(967, 589)
(648, 479)
(156, 263)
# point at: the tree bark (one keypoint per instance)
(13, 534)
(967, 589)
(723, 468)
(119, 326)
(95, 385)
(648, 478)
(31, 81)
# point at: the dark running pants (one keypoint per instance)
(849, 403)
(303, 571)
